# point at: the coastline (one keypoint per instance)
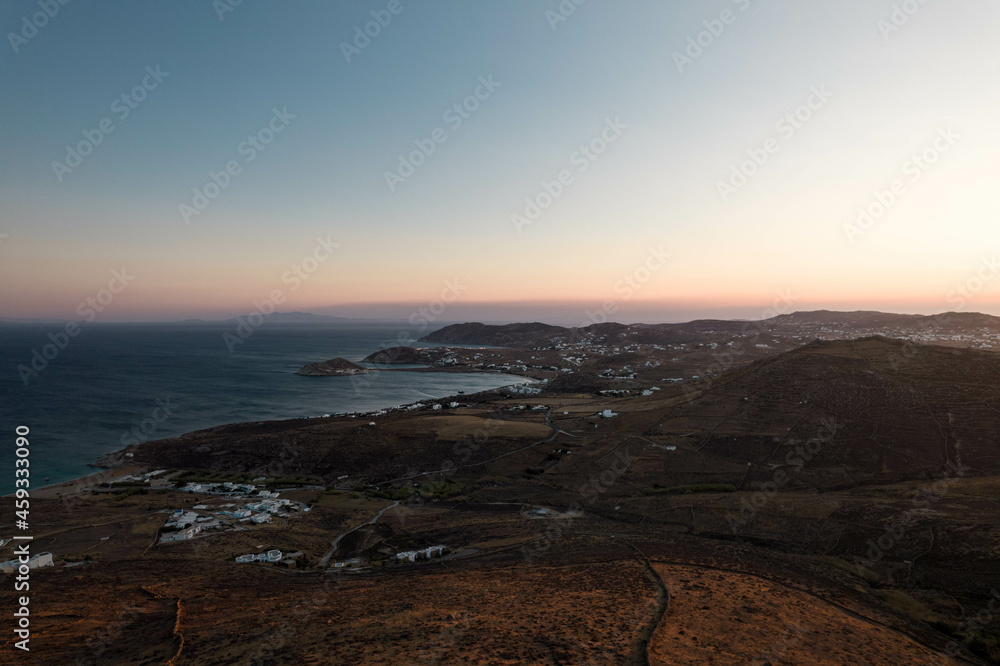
(111, 465)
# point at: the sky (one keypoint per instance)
(634, 160)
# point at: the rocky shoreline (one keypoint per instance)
(335, 367)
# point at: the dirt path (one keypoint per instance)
(640, 649)
(336, 542)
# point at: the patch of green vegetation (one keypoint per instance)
(128, 492)
(211, 476)
(947, 627)
(77, 558)
(861, 572)
(985, 646)
(428, 489)
(392, 494)
(441, 489)
(289, 481)
(903, 603)
(695, 488)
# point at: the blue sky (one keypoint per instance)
(655, 186)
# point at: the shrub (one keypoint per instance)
(696, 488)
(441, 489)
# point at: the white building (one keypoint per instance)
(182, 519)
(34, 562)
(180, 535)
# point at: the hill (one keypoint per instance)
(957, 328)
(902, 411)
(835, 499)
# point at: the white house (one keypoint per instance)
(181, 518)
(274, 556)
(34, 562)
(180, 535)
(246, 558)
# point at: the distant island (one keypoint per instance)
(300, 318)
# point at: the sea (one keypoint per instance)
(116, 384)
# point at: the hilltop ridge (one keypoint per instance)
(797, 326)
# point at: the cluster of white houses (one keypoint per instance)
(274, 556)
(187, 524)
(227, 488)
(142, 478)
(425, 554)
(269, 556)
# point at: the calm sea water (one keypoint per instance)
(112, 378)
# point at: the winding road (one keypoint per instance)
(555, 433)
(336, 542)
